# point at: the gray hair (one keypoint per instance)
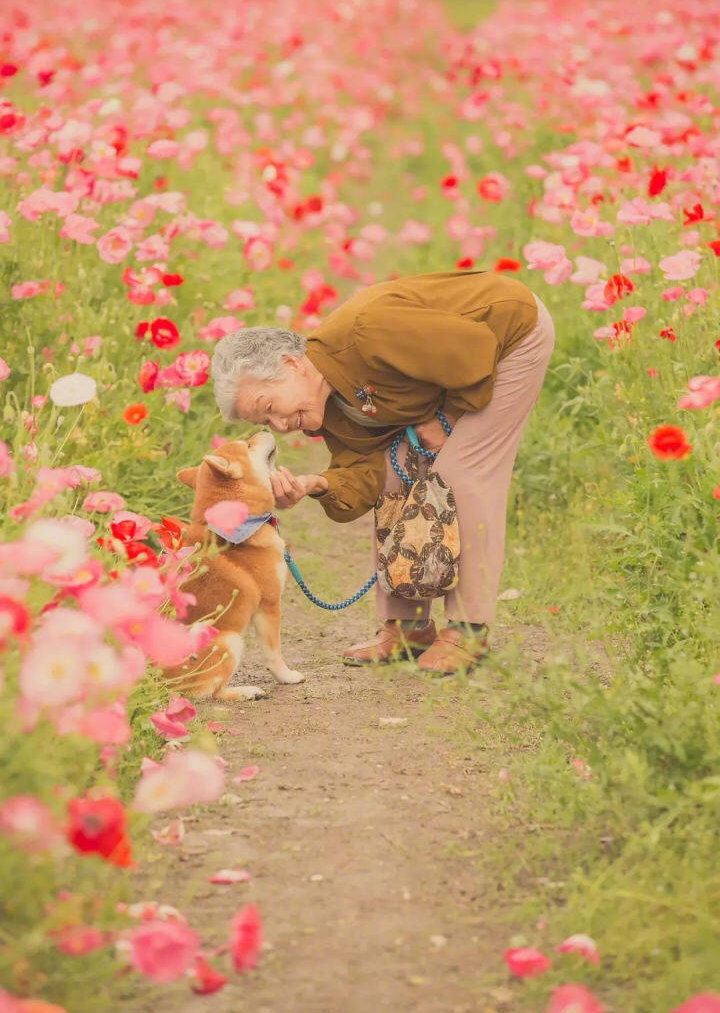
(252, 351)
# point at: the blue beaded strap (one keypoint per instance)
(333, 607)
(413, 438)
(292, 565)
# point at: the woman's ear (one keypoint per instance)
(187, 476)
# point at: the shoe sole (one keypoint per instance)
(359, 662)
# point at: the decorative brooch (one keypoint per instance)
(365, 393)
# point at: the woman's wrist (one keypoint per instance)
(317, 485)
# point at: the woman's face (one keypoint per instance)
(287, 404)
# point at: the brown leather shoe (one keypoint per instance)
(391, 643)
(453, 651)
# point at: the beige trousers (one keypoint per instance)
(477, 462)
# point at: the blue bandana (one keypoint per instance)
(248, 527)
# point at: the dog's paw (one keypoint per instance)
(290, 678)
(241, 693)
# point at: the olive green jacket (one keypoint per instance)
(424, 342)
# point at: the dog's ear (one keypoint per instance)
(187, 476)
(220, 465)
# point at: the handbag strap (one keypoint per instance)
(415, 442)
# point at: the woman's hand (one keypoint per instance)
(432, 435)
(289, 489)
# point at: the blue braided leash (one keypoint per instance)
(404, 477)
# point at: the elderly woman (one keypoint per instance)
(475, 344)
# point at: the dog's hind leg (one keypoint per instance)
(234, 646)
(267, 625)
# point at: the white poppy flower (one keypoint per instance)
(73, 389)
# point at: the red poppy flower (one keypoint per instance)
(490, 189)
(206, 979)
(617, 287)
(170, 532)
(464, 263)
(164, 333)
(141, 330)
(507, 264)
(669, 333)
(172, 279)
(245, 938)
(140, 554)
(715, 247)
(124, 531)
(97, 826)
(658, 181)
(134, 414)
(695, 214)
(669, 443)
(449, 183)
(14, 618)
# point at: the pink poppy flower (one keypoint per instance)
(192, 368)
(227, 514)
(229, 876)
(170, 835)
(258, 253)
(115, 245)
(167, 727)
(50, 675)
(704, 391)
(184, 778)
(673, 294)
(542, 256)
(162, 950)
(164, 148)
(4, 370)
(634, 313)
(245, 938)
(103, 501)
(239, 299)
(703, 1002)
(25, 290)
(6, 460)
(587, 271)
(589, 223)
(574, 999)
(635, 265)
(29, 823)
(180, 709)
(218, 327)
(5, 223)
(582, 944)
(68, 546)
(681, 266)
(413, 231)
(79, 228)
(526, 962)
(643, 137)
(246, 774)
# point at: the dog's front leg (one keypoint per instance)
(267, 625)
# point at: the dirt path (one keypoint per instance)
(359, 829)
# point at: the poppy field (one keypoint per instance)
(170, 173)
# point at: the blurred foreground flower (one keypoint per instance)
(73, 389)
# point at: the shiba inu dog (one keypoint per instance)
(245, 580)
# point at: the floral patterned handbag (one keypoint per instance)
(418, 538)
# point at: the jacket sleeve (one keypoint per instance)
(355, 481)
(447, 349)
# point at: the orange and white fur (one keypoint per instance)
(244, 581)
